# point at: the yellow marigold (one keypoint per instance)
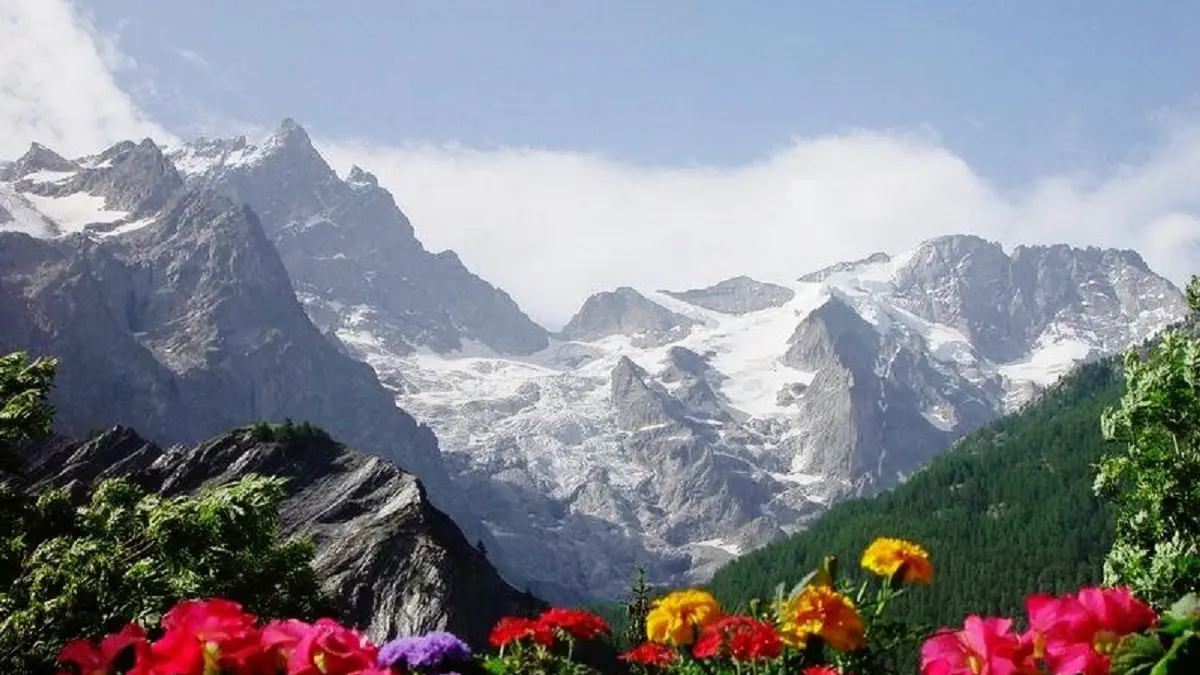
(820, 610)
(676, 618)
(884, 556)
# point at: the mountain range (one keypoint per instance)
(200, 286)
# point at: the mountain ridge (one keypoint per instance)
(391, 561)
(844, 389)
(670, 428)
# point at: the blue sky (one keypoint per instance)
(666, 143)
(1017, 88)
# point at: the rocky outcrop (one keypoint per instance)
(393, 563)
(737, 296)
(1003, 303)
(626, 312)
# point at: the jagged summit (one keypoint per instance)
(347, 244)
(359, 175)
(290, 139)
(724, 416)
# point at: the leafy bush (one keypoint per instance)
(69, 573)
(25, 410)
(1154, 483)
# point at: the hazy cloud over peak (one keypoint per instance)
(57, 84)
(553, 227)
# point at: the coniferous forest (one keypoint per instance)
(1007, 511)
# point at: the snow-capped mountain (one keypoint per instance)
(170, 311)
(670, 428)
(686, 427)
(349, 250)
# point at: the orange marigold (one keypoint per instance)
(819, 610)
(885, 556)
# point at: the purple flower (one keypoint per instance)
(431, 650)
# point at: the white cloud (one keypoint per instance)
(553, 227)
(56, 83)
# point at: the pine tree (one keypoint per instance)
(636, 610)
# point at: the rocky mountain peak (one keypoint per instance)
(137, 178)
(1004, 304)
(290, 135)
(347, 244)
(38, 158)
(737, 296)
(639, 402)
(624, 311)
(359, 175)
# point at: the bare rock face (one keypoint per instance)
(353, 256)
(737, 296)
(626, 312)
(175, 315)
(394, 563)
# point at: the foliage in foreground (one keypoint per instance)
(25, 410)
(128, 555)
(1154, 482)
(825, 625)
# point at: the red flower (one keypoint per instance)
(93, 659)
(204, 635)
(577, 623)
(651, 654)
(745, 638)
(329, 648)
(820, 670)
(514, 628)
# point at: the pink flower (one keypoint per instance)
(329, 648)
(1046, 613)
(1077, 634)
(279, 639)
(985, 646)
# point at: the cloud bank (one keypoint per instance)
(551, 227)
(57, 85)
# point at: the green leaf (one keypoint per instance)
(1137, 654)
(1182, 659)
(1176, 627)
(800, 585)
